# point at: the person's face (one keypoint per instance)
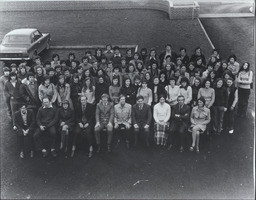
(181, 100)
(139, 66)
(13, 78)
(215, 53)
(219, 84)
(38, 61)
(108, 48)
(98, 52)
(47, 66)
(168, 48)
(117, 51)
(137, 81)
(104, 99)
(103, 60)
(23, 109)
(131, 68)
(23, 70)
(200, 103)
(153, 53)
(140, 101)
(168, 67)
(226, 76)
(73, 64)
(213, 59)
(122, 100)
(179, 62)
(110, 65)
(123, 62)
(147, 76)
(28, 68)
(207, 84)
(56, 58)
(177, 73)
(172, 82)
(31, 79)
(191, 67)
(156, 81)
(71, 57)
(224, 65)
(100, 73)
(127, 82)
(212, 75)
(63, 65)
(65, 106)
(144, 84)
(184, 83)
(198, 52)
(46, 102)
(199, 62)
(245, 66)
(229, 83)
(182, 52)
(76, 80)
(47, 82)
(101, 80)
(162, 100)
(61, 80)
(87, 73)
(136, 56)
(51, 73)
(115, 81)
(231, 60)
(85, 61)
(80, 70)
(197, 74)
(83, 100)
(95, 64)
(162, 76)
(67, 73)
(154, 66)
(116, 70)
(39, 71)
(87, 82)
(6, 73)
(129, 53)
(58, 70)
(210, 68)
(197, 82)
(183, 69)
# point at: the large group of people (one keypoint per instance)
(134, 96)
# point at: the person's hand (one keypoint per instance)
(80, 125)
(116, 125)
(65, 127)
(97, 125)
(127, 126)
(232, 108)
(86, 125)
(146, 126)
(12, 97)
(225, 109)
(110, 124)
(42, 128)
(62, 123)
(136, 126)
(14, 128)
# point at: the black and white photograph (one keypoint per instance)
(127, 99)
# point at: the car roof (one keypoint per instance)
(22, 31)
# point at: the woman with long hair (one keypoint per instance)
(63, 90)
(114, 90)
(88, 91)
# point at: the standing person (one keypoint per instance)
(199, 118)
(186, 90)
(129, 91)
(117, 57)
(195, 89)
(47, 118)
(3, 80)
(219, 106)
(157, 91)
(108, 52)
(104, 120)
(63, 90)
(88, 90)
(55, 60)
(84, 124)
(141, 119)
(232, 101)
(180, 122)
(198, 54)
(123, 120)
(168, 52)
(47, 89)
(101, 88)
(244, 83)
(152, 57)
(162, 113)
(75, 90)
(207, 93)
(183, 55)
(29, 92)
(39, 75)
(24, 121)
(173, 91)
(12, 92)
(233, 65)
(66, 123)
(98, 54)
(114, 90)
(145, 92)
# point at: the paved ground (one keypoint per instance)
(226, 173)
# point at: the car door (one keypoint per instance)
(38, 41)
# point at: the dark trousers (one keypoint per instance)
(15, 106)
(243, 98)
(99, 129)
(138, 132)
(178, 131)
(21, 140)
(85, 133)
(123, 131)
(228, 122)
(218, 115)
(8, 103)
(40, 136)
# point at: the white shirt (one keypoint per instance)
(162, 112)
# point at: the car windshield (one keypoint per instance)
(16, 39)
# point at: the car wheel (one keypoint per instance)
(48, 45)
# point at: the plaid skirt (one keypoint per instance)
(160, 133)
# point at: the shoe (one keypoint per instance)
(117, 144)
(109, 148)
(181, 149)
(72, 154)
(169, 147)
(53, 152)
(191, 148)
(99, 148)
(45, 154)
(32, 154)
(21, 154)
(90, 154)
(197, 150)
(231, 131)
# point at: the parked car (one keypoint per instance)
(25, 43)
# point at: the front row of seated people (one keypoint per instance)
(131, 122)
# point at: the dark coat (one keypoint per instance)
(31, 121)
(14, 92)
(27, 96)
(184, 117)
(89, 113)
(160, 91)
(67, 116)
(143, 116)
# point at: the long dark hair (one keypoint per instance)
(90, 86)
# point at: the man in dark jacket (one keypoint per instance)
(84, 119)
(24, 122)
(47, 118)
(141, 119)
(179, 122)
(101, 88)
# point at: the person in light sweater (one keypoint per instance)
(186, 90)
(145, 92)
(161, 114)
(173, 91)
(244, 81)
